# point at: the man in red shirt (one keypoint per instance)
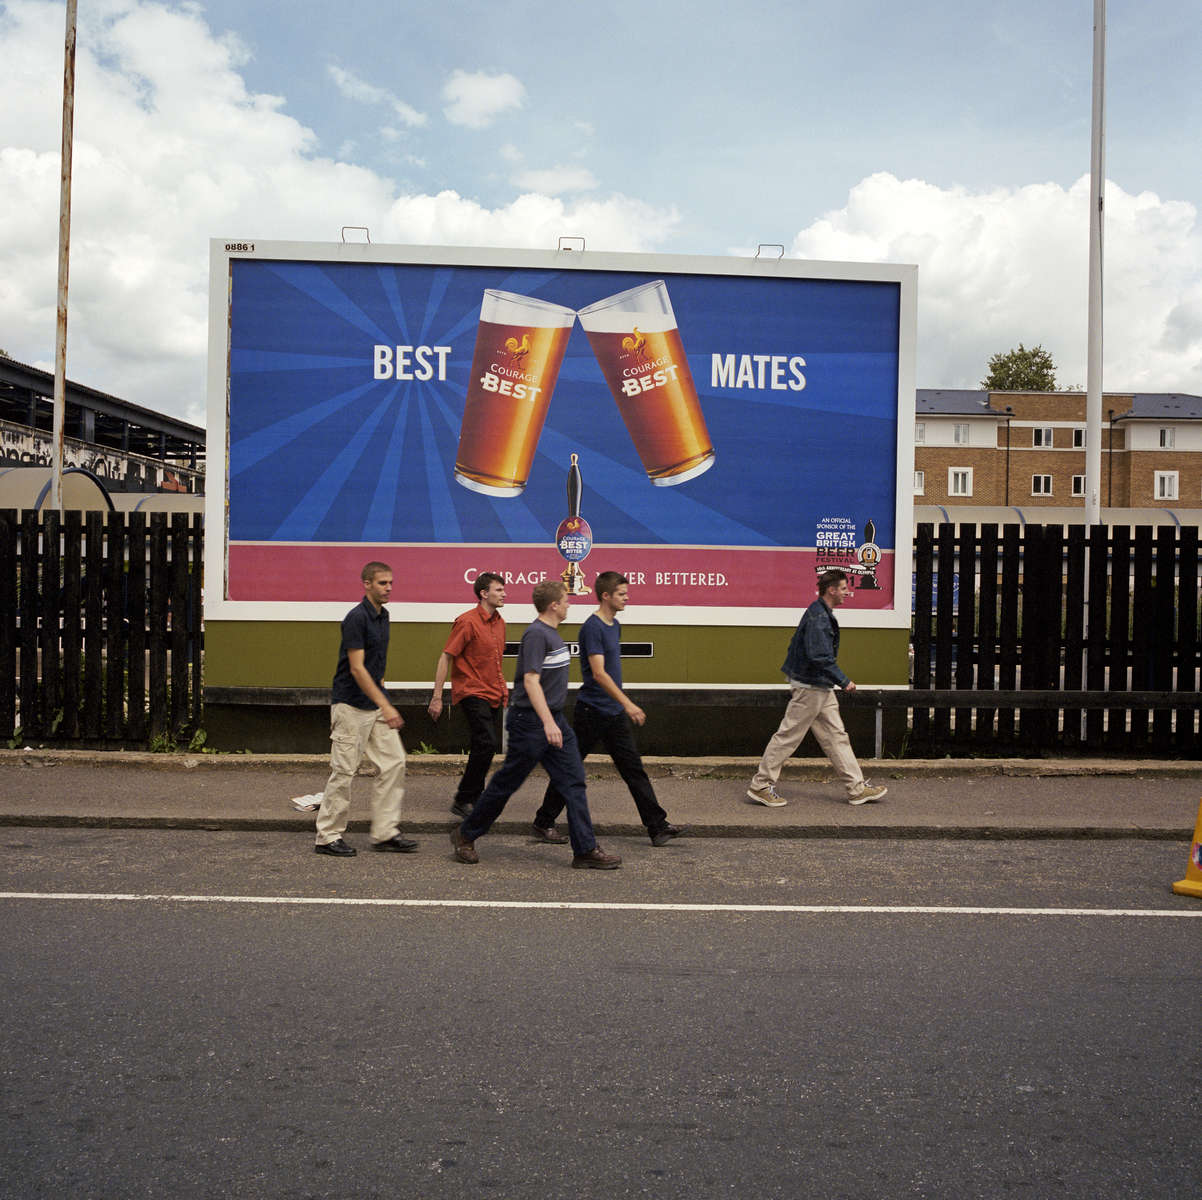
(473, 656)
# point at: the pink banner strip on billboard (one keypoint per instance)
(718, 577)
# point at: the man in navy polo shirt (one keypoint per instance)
(606, 715)
(538, 734)
(364, 725)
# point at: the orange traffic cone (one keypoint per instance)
(1191, 885)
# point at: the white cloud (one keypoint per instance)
(476, 99)
(531, 221)
(354, 88)
(171, 149)
(510, 153)
(996, 268)
(554, 180)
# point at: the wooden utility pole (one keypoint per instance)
(64, 255)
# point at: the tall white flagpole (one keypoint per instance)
(1097, 187)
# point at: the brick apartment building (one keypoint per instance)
(1028, 449)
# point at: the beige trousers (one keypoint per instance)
(357, 734)
(816, 709)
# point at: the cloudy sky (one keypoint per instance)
(951, 136)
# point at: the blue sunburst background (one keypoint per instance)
(321, 451)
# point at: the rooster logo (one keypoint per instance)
(635, 344)
(518, 350)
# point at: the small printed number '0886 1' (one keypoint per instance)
(240, 247)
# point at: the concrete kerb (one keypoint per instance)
(703, 800)
(603, 768)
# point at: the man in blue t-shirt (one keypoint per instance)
(605, 714)
(538, 734)
(364, 725)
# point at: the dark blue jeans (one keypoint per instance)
(485, 729)
(615, 732)
(528, 747)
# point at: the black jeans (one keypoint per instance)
(528, 747)
(484, 724)
(616, 733)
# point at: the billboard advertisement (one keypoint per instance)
(716, 429)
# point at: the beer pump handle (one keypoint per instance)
(575, 487)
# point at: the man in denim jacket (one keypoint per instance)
(812, 668)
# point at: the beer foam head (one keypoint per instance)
(646, 306)
(509, 308)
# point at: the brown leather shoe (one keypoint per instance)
(598, 860)
(465, 852)
(551, 836)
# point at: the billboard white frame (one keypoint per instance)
(223, 251)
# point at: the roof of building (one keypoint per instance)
(968, 402)
(1166, 404)
(953, 401)
(114, 422)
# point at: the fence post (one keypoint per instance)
(8, 623)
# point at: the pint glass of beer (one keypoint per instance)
(637, 344)
(520, 344)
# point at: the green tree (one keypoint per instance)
(1021, 370)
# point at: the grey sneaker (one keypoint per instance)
(766, 795)
(867, 793)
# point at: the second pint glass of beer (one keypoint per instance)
(638, 347)
(520, 344)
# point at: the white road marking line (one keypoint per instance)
(615, 906)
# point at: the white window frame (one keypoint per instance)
(960, 433)
(1041, 437)
(920, 433)
(1166, 485)
(952, 472)
(1078, 485)
(1168, 437)
(920, 483)
(1079, 441)
(1037, 485)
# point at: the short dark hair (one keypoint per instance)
(372, 569)
(830, 578)
(547, 592)
(608, 582)
(484, 581)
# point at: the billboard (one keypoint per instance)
(716, 429)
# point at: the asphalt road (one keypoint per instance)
(473, 1033)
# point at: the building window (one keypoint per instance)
(1078, 485)
(960, 434)
(1165, 485)
(959, 481)
(1168, 437)
(1078, 439)
(1043, 436)
(1041, 485)
(920, 433)
(920, 482)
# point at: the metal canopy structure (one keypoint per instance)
(27, 398)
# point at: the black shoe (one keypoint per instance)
(338, 848)
(397, 844)
(552, 835)
(461, 810)
(661, 837)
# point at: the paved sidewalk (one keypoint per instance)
(963, 798)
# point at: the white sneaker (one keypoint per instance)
(867, 793)
(767, 795)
